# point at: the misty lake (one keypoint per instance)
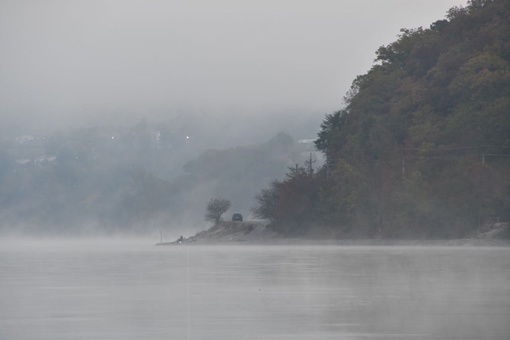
(134, 290)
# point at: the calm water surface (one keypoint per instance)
(134, 290)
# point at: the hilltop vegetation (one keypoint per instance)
(422, 147)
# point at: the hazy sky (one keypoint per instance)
(92, 62)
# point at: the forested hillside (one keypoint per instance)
(135, 179)
(422, 146)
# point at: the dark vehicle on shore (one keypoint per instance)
(237, 218)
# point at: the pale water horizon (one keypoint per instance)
(131, 289)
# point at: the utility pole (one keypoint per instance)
(403, 165)
(309, 164)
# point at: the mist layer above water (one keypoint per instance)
(135, 290)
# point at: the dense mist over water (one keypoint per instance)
(108, 108)
(130, 289)
(121, 119)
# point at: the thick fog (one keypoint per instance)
(133, 114)
(127, 290)
(84, 63)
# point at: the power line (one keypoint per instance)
(459, 148)
(433, 155)
(457, 156)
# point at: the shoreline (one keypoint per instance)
(257, 233)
